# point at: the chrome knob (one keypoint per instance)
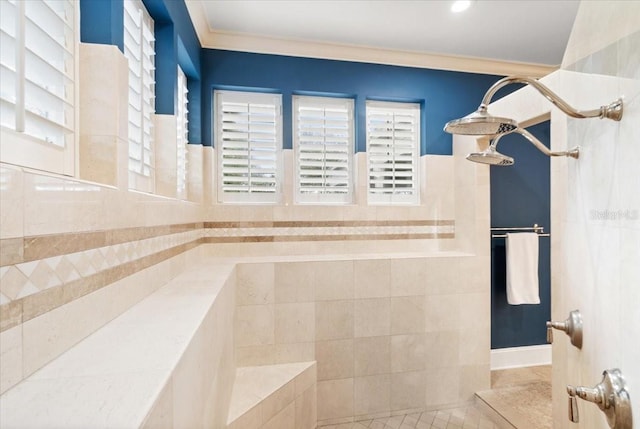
(572, 326)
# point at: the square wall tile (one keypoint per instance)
(474, 378)
(409, 352)
(474, 347)
(334, 319)
(295, 322)
(408, 277)
(334, 359)
(475, 310)
(294, 282)
(372, 317)
(333, 280)
(372, 355)
(442, 387)
(407, 315)
(307, 409)
(442, 348)
(97, 156)
(474, 274)
(442, 312)
(372, 394)
(442, 275)
(255, 355)
(254, 325)
(101, 90)
(372, 278)
(408, 390)
(335, 399)
(295, 352)
(254, 284)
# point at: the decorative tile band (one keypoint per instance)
(328, 223)
(49, 271)
(29, 289)
(240, 232)
(18, 250)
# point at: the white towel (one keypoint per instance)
(522, 268)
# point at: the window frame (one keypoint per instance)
(257, 98)
(21, 148)
(182, 130)
(323, 197)
(395, 108)
(139, 178)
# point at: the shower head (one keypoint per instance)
(481, 123)
(491, 156)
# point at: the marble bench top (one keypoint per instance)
(112, 378)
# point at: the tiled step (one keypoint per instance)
(274, 396)
(520, 406)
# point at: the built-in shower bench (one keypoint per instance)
(166, 362)
(149, 367)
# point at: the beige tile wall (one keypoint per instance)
(381, 332)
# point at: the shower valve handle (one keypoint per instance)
(572, 326)
(573, 405)
(610, 395)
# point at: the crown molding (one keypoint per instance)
(231, 41)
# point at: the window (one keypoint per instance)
(140, 53)
(182, 112)
(249, 145)
(393, 142)
(323, 140)
(37, 83)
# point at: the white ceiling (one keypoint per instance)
(524, 31)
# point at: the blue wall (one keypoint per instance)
(445, 95)
(520, 197)
(101, 21)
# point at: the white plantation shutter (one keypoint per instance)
(182, 133)
(249, 145)
(139, 49)
(393, 147)
(37, 88)
(323, 140)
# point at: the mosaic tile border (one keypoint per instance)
(39, 274)
(32, 288)
(19, 250)
(328, 231)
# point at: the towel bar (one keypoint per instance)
(535, 228)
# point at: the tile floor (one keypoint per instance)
(530, 407)
(456, 418)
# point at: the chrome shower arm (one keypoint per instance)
(573, 153)
(612, 111)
